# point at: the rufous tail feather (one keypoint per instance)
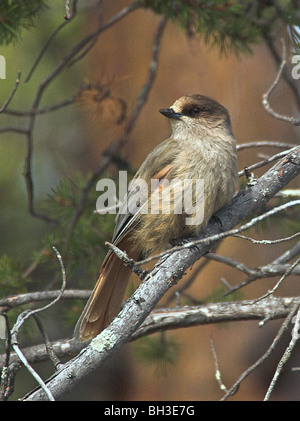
(106, 299)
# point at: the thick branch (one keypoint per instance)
(179, 317)
(175, 318)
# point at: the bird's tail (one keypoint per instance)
(106, 298)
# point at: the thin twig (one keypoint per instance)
(217, 372)
(265, 101)
(48, 42)
(286, 73)
(268, 271)
(45, 110)
(231, 262)
(127, 261)
(24, 316)
(49, 348)
(32, 371)
(92, 42)
(268, 242)
(286, 356)
(143, 95)
(265, 143)
(288, 255)
(14, 130)
(271, 348)
(7, 102)
(222, 235)
(266, 161)
(283, 277)
(277, 267)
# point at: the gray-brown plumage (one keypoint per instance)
(201, 146)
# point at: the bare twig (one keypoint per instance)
(233, 263)
(222, 235)
(284, 276)
(63, 348)
(286, 355)
(211, 313)
(29, 313)
(217, 372)
(24, 316)
(34, 297)
(266, 104)
(7, 102)
(268, 271)
(277, 267)
(278, 241)
(49, 348)
(50, 39)
(266, 161)
(288, 254)
(13, 129)
(127, 261)
(246, 373)
(93, 42)
(286, 73)
(264, 143)
(143, 95)
(32, 371)
(45, 110)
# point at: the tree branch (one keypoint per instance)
(266, 355)
(24, 316)
(286, 355)
(33, 297)
(7, 102)
(266, 104)
(174, 318)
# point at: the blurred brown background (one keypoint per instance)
(186, 66)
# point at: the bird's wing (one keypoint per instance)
(157, 165)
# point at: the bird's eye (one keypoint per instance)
(195, 111)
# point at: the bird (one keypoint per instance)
(201, 146)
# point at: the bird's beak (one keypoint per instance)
(170, 113)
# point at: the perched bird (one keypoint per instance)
(201, 147)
